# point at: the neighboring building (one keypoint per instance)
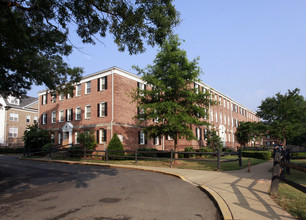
(101, 103)
(270, 141)
(15, 115)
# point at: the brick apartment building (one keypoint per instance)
(15, 115)
(101, 102)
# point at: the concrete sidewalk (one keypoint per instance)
(239, 194)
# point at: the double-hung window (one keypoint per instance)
(102, 109)
(198, 133)
(44, 118)
(76, 134)
(53, 119)
(28, 119)
(61, 96)
(87, 112)
(61, 116)
(78, 113)
(35, 119)
(69, 114)
(102, 83)
(142, 138)
(156, 140)
(88, 87)
(44, 99)
(78, 90)
(13, 132)
(102, 135)
(13, 117)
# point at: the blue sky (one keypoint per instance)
(248, 49)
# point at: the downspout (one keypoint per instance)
(5, 124)
(112, 103)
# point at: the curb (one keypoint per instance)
(217, 199)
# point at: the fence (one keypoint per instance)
(136, 155)
(281, 167)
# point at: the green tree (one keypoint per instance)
(34, 35)
(249, 131)
(171, 102)
(284, 115)
(35, 138)
(87, 140)
(213, 140)
(115, 145)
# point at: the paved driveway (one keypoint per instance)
(41, 190)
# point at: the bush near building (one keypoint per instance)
(264, 155)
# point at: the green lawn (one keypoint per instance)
(182, 164)
(291, 199)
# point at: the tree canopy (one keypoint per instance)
(285, 115)
(171, 104)
(249, 131)
(34, 36)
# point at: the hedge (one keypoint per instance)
(264, 155)
(298, 154)
(142, 154)
(11, 150)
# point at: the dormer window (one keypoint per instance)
(13, 100)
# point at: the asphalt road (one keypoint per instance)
(41, 190)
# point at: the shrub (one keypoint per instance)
(264, 155)
(189, 149)
(76, 151)
(205, 150)
(87, 140)
(147, 154)
(229, 150)
(115, 145)
(47, 147)
(298, 154)
(8, 150)
(164, 155)
(35, 138)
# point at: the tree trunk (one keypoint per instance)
(175, 147)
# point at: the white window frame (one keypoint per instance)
(216, 116)
(76, 113)
(35, 119)
(228, 103)
(225, 119)
(142, 138)
(87, 112)
(61, 116)
(28, 118)
(13, 132)
(101, 136)
(103, 109)
(211, 115)
(76, 134)
(14, 117)
(220, 116)
(169, 138)
(103, 83)
(69, 114)
(220, 100)
(198, 133)
(88, 87)
(156, 140)
(44, 99)
(53, 117)
(196, 86)
(53, 98)
(61, 96)
(77, 90)
(224, 103)
(60, 138)
(44, 118)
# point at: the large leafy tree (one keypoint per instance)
(249, 131)
(171, 102)
(285, 115)
(34, 35)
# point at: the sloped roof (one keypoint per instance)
(24, 102)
